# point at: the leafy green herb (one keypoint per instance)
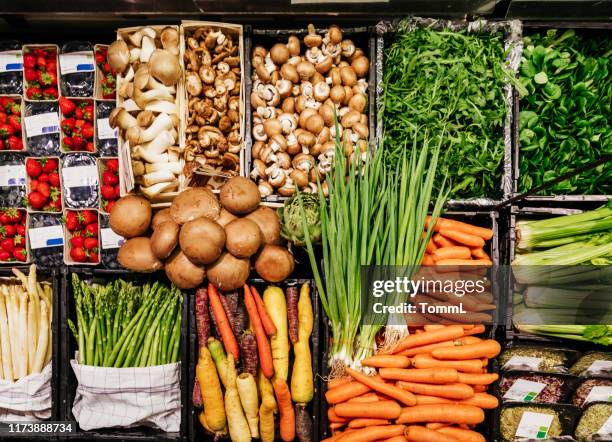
(448, 86)
(565, 118)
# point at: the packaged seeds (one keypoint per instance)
(595, 423)
(594, 363)
(593, 390)
(533, 358)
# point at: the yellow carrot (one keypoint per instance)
(302, 385)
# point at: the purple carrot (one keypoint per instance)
(202, 316)
(248, 352)
(292, 313)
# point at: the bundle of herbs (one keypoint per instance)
(565, 113)
(451, 83)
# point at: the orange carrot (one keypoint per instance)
(424, 375)
(432, 327)
(435, 425)
(489, 348)
(422, 434)
(462, 435)
(382, 410)
(479, 253)
(266, 321)
(476, 330)
(431, 245)
(263, 345)
(452, 252)
(451, 413)
(365, 398)
(336, 425)
(380, 361)
(428, 260)
(445, 334)
(396, 393)
(442, 223)
(441, 241)
(431, 400)
(478, 379)
(365, 422)
(334, 418)
(481, 400)
(336, 382)
(223, 325)
(429, 348)
(463, 238)
(285, 410)
(466, 366)
(396, 439)
(449, 391)
(371, 434)
(464, 262)
(480, 388)
(346, 392)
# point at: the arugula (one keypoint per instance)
(565, 118)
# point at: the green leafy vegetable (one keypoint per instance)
(292, 228)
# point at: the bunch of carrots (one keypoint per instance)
(430, 387)
(250, 360)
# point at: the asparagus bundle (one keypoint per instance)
(25, 325)
(121, 324)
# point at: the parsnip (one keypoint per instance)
(212, 396)
(247, 390)
(302, 385)
(276, 306)
(236, 420)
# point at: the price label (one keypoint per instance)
(73, 62)
(534, 425)
(599, 394)
(522, 362)
(42, 124)
(524, 390)
(606, 428)
(43, 237)
(14, 175)
(80, 176)
(110, 240)
(11, 61)
(105, 131)
(600, 367)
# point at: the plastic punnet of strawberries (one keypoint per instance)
(77, 124)
(110, 184)
(13, 235)
(45, 192)
(83, 228)
(40, 73)
(107, 76)
(10, 124)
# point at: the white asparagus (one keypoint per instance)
(5, 344)
(41, 349)
(47, 294)
(32, 332)
(12, 312)
(22, 334)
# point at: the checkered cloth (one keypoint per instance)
(28, 399)
(127, 397)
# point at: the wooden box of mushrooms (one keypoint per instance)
(299, 81)
(149, 102)
(213, 119)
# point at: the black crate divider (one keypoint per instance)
(52, 276)
(363, 37)
(68, 380)
(196, 431)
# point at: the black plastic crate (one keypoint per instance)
(52, 276)
(363, 37)
(68, 380)
(196, 431)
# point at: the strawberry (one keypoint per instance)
(33, 167)
(78, 113)
(36, 200)
(51, 93)
(88, 112)
(4, 218)
(33, 185)
(117, 191)
(15, 121)
(90, 243)
(109, 178)
(6, 130)
(71, 220)
(57, 203)
(78, 142)
(41, 61)
(89, 147)
(112, 165)
(92, 230)
(14, 143)
(46, 78)
(43, 178)
(67, 106)
(67, 143)
(29, 61)
(14, 215)
(29, 74)
(107, 192)
(20, 230)
(68, 124)
(78, 254)
(2, 144)
(3, 118)
(93, 257)
(77, 241)
(109, 206)
(50, 165)
(19, 241)
(14, 108)
(44, 189)
(34, 93)
(54, 179)
(4, 255)
(9, 230)
(87, 131)
(100, 57)
(20, 254)
(89, 217)
(7, 244)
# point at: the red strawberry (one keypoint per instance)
(19, 241)
(72, 221)
(68, 124)
(36, 200)
(100, 57)
(107, 192)
(57, 203)
(14, 107)
(34, 93)
(43, 178)
(78, 113)
(89, 147)
(67, 143)
(112, 165)
(14, 143)
(9, 230)
(117, 191)
(6, 130)
(78, 254)
(90, 243)
(7, 244)
(92, 230)
(20, 254)
(51, 64)
(2, 144)
(93, 257)
(29, 74)
(33, 167)
(77, 241)
(109, 206)
(4, 255)
(47, 78)
(89, 217)
(29, 61)
(78, 142)
(14, 215)
(4, 218)
(3, 118)
(50, 165)
(54, 179)
(44, 189)
(15, 121)
(41, 61)
(33, 185)
(51, 93)
(67, 106)
(20, 230)
(109, 178)
(88, 112)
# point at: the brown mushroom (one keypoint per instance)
(279, 54)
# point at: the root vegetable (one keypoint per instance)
(489, 348)
(223, 326)
(183, 272)
(219, 357)
(424, 375)
(247, 390)
(194, 203)
(274, 301)
(136, 254)
(237, 423)
(285, 410)
(228, 272)
(302, 385)
(263, 345)
(274, 263)
(165, 239)
(292, 313)
(422, 434)
(303, 424)
(202, 240)
(212, 396)
(243, 237)
(455, 390)
(239, 195)
(266, 410)
(248, 348)
(269, 224)
(382, 410)
(380, 386)
(267, 323)
(450, 413)
(132, 217)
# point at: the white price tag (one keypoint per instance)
(600, 367)
(76, 62)
(522, 362)
(606, 428)
(110, 240)
(524, 390)
(42, 124)
(599, 394)
(80, 176)
(105, 131)
(14, 175)
(11, 61)
(534, 425)
(42, 237)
